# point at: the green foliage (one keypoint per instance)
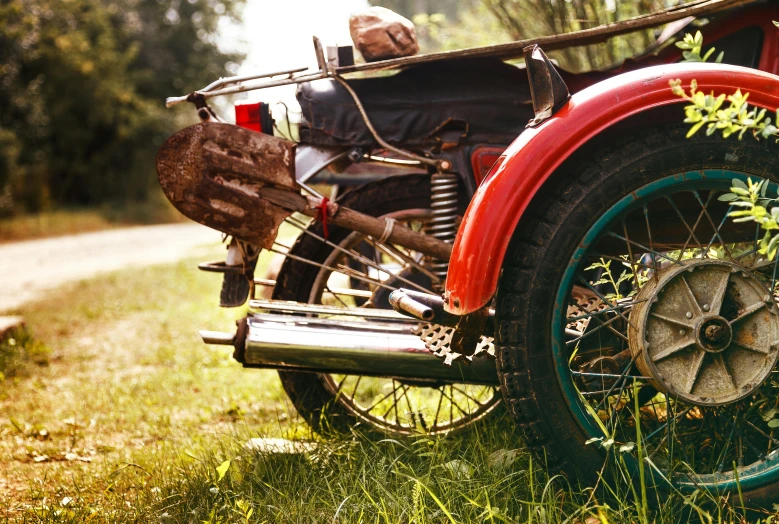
(691, 47)
(752, 200)
(18, 351)
(471, 27)
(734, 119)
(83, 81)
(709, 110)
(444, 25)
(531, 18)
(603, 267)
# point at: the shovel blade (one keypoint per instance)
(214, 173)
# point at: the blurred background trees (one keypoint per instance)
(82, 84)
(444, 25)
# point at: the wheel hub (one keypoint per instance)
(706, 331)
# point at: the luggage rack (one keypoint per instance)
(507, 51)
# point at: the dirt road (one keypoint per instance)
(28, 269)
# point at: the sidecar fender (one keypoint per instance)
(503, 197)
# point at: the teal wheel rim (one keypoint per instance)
(754, 467)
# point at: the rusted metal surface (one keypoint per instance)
(705, 331)
(243, 183)
(547, 88)
(213, 174)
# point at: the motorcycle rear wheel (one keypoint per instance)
(334, 403)
(649, 208)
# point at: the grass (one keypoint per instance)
(19, 351)
(134, 419)
(71, 221)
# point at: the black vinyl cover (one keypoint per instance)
(465, 101)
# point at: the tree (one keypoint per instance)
(82, 90)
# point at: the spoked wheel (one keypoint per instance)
(393, 406)
(653, 319)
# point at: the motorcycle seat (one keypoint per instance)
(463, 101)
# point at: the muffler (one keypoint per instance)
(325, 345)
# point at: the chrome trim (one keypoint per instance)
(358, 348)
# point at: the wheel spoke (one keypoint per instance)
(720, 360)
(630, 256)
(711, 221)
(466, 394)
(655, 274)
(689, 230)
(672, 350)
(353, 274)
(719, 294)
(438, 408)
(604, 299)
(748, 311)
(603, 311)
(670, 320)
(665, 424)
(644, 248)
(356, 385)
(358, 257)
(691, 300)
(695, 371)
(749, 347)
(606, 324)
(327, 289)
(724, 452)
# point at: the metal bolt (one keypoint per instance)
(705, 307)
(688, 314)
(456, 302)
(445, 165)
(682, 332)
(355, 155)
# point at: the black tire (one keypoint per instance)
(309, 392)
(539, 253)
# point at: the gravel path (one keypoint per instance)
(28, 269)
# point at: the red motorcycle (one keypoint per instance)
(595, 260)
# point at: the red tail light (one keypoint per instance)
(483, 159)
(255, 116)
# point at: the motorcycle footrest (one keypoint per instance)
(220, 267)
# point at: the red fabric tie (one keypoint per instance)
(321, 215)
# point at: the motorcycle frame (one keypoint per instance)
(529, 162)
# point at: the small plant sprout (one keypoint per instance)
(709, 110)
(691, 47)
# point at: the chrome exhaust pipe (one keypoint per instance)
(380, 349)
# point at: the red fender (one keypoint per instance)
(500, 201)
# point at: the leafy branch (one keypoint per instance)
(736, 118)
(691, 47)
(606, 277)
(753, 200)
